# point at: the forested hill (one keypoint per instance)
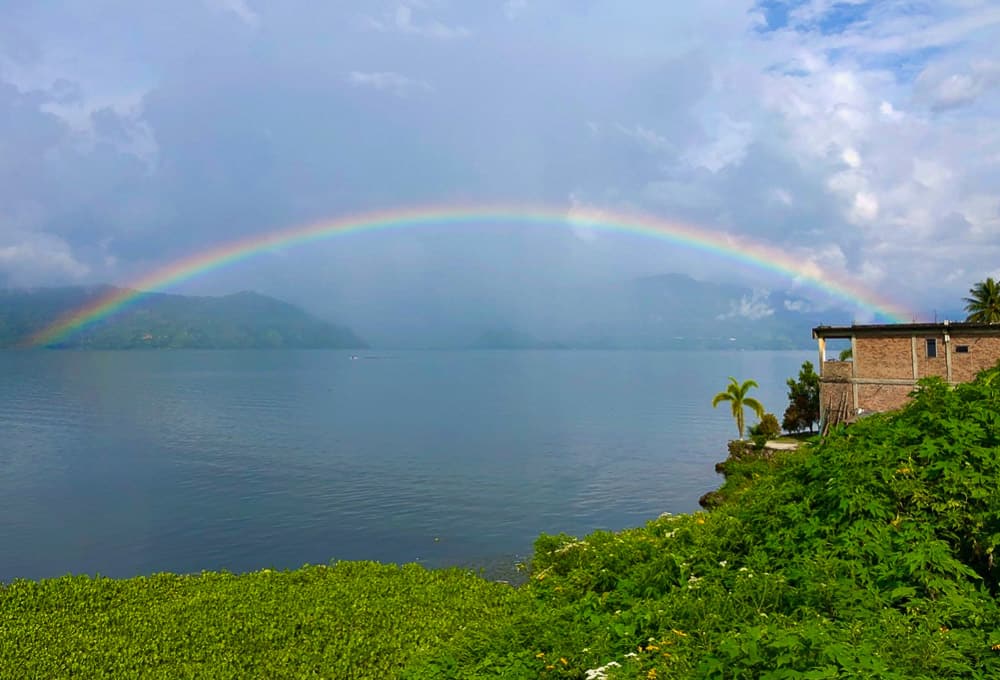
(240, 321)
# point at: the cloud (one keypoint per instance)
(388, 81)
(859, 138)
(401, 20)
(726, 145)
(240, 8)
(644, 137)
(954, 85)
(753, 307)
(34, 258)
(800, 306)
(513, 8)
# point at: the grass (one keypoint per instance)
(795, 437)
(347, 620)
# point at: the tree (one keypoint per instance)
(736, 394)
(983, 305)
(803, 400)
(846, 355)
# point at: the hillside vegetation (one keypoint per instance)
(869, 555)
(157, 320)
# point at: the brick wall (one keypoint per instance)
(884, 358)
(832, 394)
(983, 353)
(927, 366)
(883, 397)
(833, 370)
(891, 359)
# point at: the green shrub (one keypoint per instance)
(768, 426)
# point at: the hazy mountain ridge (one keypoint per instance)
(243, 320)
(669, 311)
(673, 311)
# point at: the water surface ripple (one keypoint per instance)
(125, 463)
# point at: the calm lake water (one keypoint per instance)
(125, 463)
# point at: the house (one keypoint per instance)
(887, 360)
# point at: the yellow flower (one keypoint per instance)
(539, 655)
(549, 667)
(680, 633)
(652, 673)
(564, 661)
(652, 648)
(700, 520)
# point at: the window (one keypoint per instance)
(931, 348)
(961, 349)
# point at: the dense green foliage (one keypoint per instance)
(736, 395)
(983, 303)
(239, 321)
(349, 620)
(869, 555)
(803, 400)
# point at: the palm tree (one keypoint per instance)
(984, 304)
(737, 395)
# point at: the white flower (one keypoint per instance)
(601, 673)
(723, 563)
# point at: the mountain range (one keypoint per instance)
(159, 320)
(669, 311)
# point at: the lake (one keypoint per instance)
(127, 463)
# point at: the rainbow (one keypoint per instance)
(760, 255)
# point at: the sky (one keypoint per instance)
(860, 136)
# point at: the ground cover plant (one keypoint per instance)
(871, 554)
(347, 620)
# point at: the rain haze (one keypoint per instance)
(859, 136)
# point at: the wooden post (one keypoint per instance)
(913, 346)
(822, 354)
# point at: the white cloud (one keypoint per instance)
(646, 138)
(753, 307)
(32, 258)
(388, 81)
(238, 8)
(953, 85)
(781, 196)
(797, 305)
(727, 145)
(401, 20)
(513, 8)
(851, 157)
